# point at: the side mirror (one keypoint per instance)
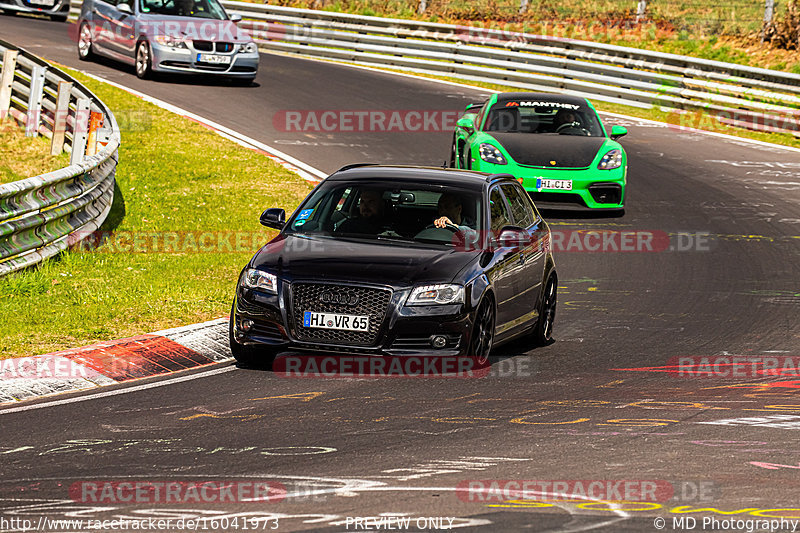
(273, 218)
(467, 122)
(235, 18)
(513, 237)
(125, 8)
(473, 107)
(618, 131)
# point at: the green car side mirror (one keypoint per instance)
(618, 131)
(467, 122)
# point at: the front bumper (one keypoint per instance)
(592, 188)
(403, 331)
(186, 61)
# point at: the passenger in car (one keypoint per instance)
(372, 217)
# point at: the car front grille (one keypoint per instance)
(372, 302)
(211, 46)
(557, 197)
(203, 46)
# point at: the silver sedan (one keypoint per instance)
(177, 36)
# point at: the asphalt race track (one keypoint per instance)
(603, 402)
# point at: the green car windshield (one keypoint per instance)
(553, 118)
(386, 212)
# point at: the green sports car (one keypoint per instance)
(555, 145)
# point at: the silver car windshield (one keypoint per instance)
(206, 9)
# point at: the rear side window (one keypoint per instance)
(520, 207)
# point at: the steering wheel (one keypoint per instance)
(568, 125)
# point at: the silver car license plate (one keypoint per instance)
(215, 59)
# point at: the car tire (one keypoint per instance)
(453, 154)
(144, 61)
(249, 356)
(483, 331)
(85, 47)
(543, 330)
(59, 18)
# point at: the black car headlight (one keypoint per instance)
(441, 294)
(490, 154)
(260, 281)
(612, 160)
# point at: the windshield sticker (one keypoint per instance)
(304, 214)
(299, 222)
(528, 103)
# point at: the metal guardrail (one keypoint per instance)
(737, 95)
(43, 215)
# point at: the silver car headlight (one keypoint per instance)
(440, 294)
(490, 154)
(612, 160)
(171, 41)
(248, 48)
(260, 281)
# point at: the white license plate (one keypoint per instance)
(211, 58)
(335, 321)
(47, 3)
(558, 185)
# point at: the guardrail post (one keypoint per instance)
(423, 5)
(35, 102)
(769, 8)
(6, 79)
(79, 131)
(641, 8)
(60, 118)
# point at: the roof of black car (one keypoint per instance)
(549, 97)
(430, 175)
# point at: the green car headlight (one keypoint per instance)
(490, 154)
(612, 160)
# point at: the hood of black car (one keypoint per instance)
(540, 150)
(293, 257)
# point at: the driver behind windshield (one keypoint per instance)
(450, 213)
(566, 117)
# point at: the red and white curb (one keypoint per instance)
(113, 362)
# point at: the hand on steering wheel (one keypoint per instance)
(444, 223)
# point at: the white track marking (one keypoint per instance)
(119, 391)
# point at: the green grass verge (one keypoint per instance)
(24, 157)
(174, 175)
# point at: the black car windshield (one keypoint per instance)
(207, 9)
(382, 211)
(553, 118)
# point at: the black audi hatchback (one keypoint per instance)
(393, 260)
